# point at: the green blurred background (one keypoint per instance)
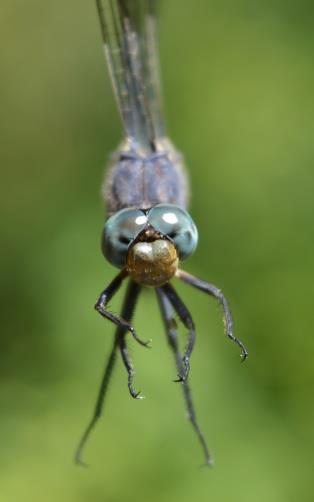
(239, 81)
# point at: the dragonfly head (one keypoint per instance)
(149, 243)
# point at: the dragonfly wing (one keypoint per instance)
(129, 36)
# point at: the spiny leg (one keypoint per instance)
(103, 300)
(172, 336)
(216, 293)
(132, 295)
(187, 320)
(127, 313)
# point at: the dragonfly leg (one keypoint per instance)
(172, 336)
(216, 293)
(187, 320)
(103, 300)
(129, 367)
(127, 314)
(128, 310)
(99, 404)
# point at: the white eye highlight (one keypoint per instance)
(141, 220)
(170, 218)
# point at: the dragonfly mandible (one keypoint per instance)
(148, 231)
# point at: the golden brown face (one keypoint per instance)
(152, 263)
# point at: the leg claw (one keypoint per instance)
(136, 395)
(179, 379)
(244, 355)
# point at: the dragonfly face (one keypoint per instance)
(149, 243)
(148, 231)
(152, 262)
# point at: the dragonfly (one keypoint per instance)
(148, 232)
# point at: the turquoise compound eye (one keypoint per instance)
(176, 224)
(119, 231)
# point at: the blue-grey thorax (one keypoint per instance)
(139, 180)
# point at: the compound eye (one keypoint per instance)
(119, 232)
(176, 224)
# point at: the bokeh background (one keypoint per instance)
(238, 80)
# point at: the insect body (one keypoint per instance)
(148, 232)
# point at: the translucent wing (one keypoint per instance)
(128, 29)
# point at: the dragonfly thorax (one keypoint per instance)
(143, 180)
